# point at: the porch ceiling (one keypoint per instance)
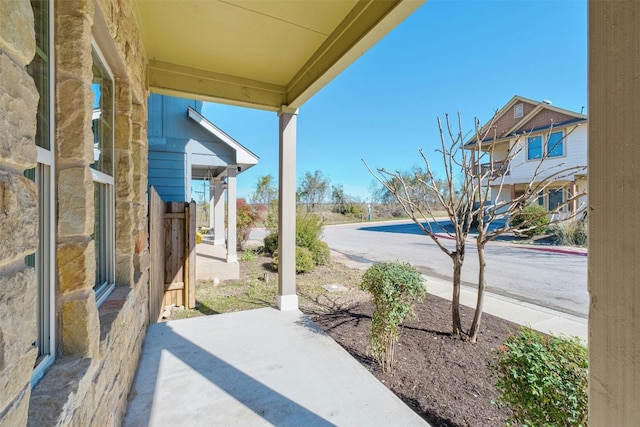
(256, 53)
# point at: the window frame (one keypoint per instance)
(529, 143)
(44, 257)
(107, 206)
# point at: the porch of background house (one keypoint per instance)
(211, 261)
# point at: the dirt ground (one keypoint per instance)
(443, 378)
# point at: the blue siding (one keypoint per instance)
(167, 175)
(176, 141)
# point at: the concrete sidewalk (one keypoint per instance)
(255, 368)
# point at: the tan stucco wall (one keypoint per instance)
(97, 348)
(614, 203)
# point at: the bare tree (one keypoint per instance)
(472, 174)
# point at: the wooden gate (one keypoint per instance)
(172, 245)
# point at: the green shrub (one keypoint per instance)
(308, 230)
(271, 242)
(308, 233)
(572, 232)
(532, 220)
(395, 288)
(248, 255)
(320, 252)
(543, 379)
(304, 260)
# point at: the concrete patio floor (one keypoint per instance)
(255, 368)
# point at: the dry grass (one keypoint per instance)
(258, 285)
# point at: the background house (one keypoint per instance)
(526, 131)
(185, 146)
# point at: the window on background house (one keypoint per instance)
(534, 147)
(102, 172)
(555, 144)
(555, 197)
(41, 70)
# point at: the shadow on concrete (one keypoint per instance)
(265, 402)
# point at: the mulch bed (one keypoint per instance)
(443, 378)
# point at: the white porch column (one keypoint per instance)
(287, 297)
(218, 212)
(232, 195)
(614, 203)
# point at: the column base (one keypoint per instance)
(232, 258)
(287, 302)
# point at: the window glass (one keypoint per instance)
(103, 137)
(555, 145)
(556, 197)
(40, 69)
(534, 147)
(102, 87)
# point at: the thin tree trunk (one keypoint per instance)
(475, 326)
(455, 300)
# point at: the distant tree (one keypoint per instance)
(266, 195)
(465, 197)
(313, 189)
(344, 204)
(266, 190)
(379, 193)
(338, 198)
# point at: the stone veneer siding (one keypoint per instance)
(97, 348)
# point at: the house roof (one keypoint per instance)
(535, 116)
(260, 54)
(244, 158)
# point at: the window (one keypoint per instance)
(556, 198)
(518, 111)
(534, 147)
(102, 172)
(555, 144)
(553, 148)
(41, 70)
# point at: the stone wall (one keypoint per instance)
(18, 210)
(97, 347)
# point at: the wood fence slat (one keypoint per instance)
(192, 258)
(157, 255)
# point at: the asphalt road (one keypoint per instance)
(554, 280)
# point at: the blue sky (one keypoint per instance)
(449, 56)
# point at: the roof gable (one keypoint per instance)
(522, 115)
(506, 118)
(243, 155)
(544, 118)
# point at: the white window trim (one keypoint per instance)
(46, 157)
(103, 178)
